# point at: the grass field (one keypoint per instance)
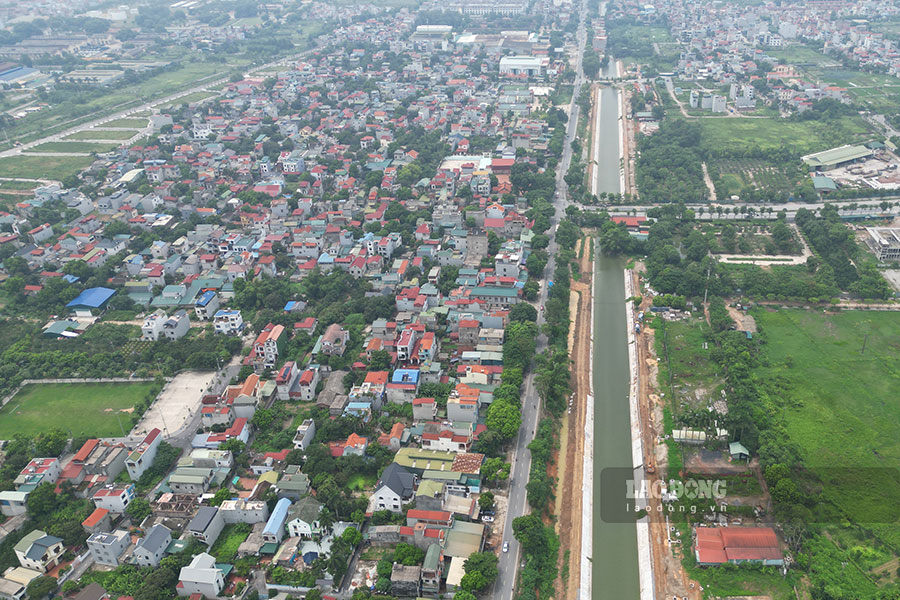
(800, 136)
(195, 97)
(99, 134)
(43, 167)
(796, 54)
(845, 401)
(82, 408)
(134, 123)
(839, 405)
(73, 147)
(18, 185)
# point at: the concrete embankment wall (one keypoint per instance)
(587, 474)
(645, 564)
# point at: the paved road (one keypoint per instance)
(865, 207)
(509, 561)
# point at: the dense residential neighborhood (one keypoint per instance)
(350, 243)
(388, 299)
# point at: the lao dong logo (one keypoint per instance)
(689, 489)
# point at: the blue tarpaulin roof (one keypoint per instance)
(92, 298)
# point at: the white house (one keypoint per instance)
(177, 326)
(244, 511)
(396, 488)
(142, 456)
(303, 518)
(305, 434)
(153, 326)
(107, 548)
(229, 322)
(206, 305)
(201, 577)
(114, 499)
(39, 551)
(151, 548)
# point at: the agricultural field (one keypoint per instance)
(100, 134)
(232, 536)
(738, 173)
(43, 167)
(94, 409)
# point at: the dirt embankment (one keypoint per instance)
(670, 577)
(571, 454)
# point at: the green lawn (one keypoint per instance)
(800, 136)
(43, 167)
(83, 408)
(845, 401)
(99, 134)
(73, 147)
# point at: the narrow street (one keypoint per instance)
(504, 586)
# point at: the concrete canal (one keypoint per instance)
(614, 557)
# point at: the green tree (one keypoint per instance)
(481, 569)
(522, 311)
(138, 509)
(486, 500)
(42, 501)
(41, 587)
(529, 531)
(220, 496)
(504, 418)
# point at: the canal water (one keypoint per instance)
(614, 560)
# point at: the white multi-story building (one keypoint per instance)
(229, 322)
(107, 548)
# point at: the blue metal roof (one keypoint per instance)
(405, 376)
(205, 298)
(92, 298)
(278, 517)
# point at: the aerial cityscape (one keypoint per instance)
(462, 299)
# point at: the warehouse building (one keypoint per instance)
(836, 157)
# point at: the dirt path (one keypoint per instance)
(628, 146)
(670, 577)
(569, 493)
(709, 183)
